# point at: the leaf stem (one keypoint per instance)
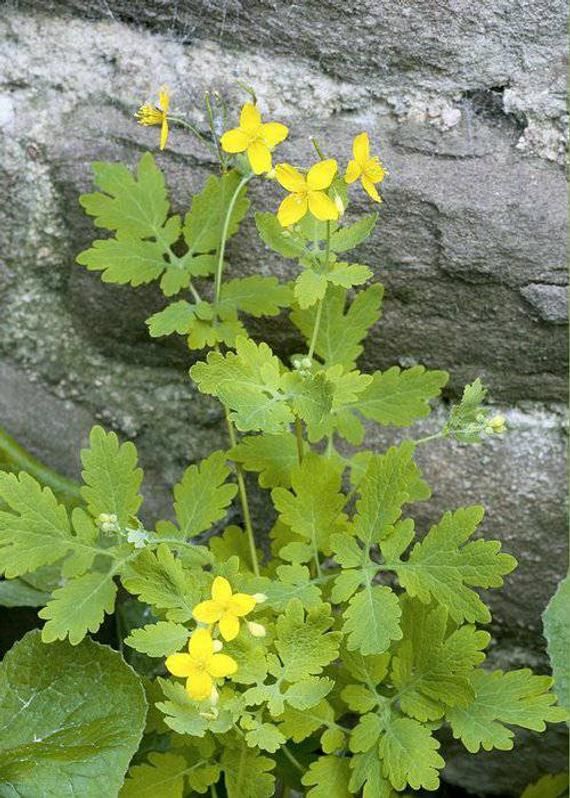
(320, 303)
(441, 434)
(243, 497)
(194, 130)
(220, 267)
(294, 761)
(299, 438)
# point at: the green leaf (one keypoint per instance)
(137, 206)
(249, 383)
(249, 653)
(234, 542)
(390, 481)
(464, 418)
(158, 639)
(258, 296)
(443, 566)
(367, 775)
(366, 733)
(175, 318)
(273, 456)
(34, 530)
(372, 620)
(310, 287)
(64, 700)
(282, 240)
(409, 755)
(125, 260)
(181, 713)
(247, 773)
(160, 580)
(308, 692)
(163, 775)
(313, 509)
(266, 737)
(549, 786)
(79, 607)
(203, 496)
(348, 275)
(204, 221)
(299, 724)
(341, 333)
(112, 479)
(17, 593)
(556, 621)
(432, 666)
(328, 777)
(303, 641)
(294, 582)
(516, 698)
(401, 397)
(352, 235)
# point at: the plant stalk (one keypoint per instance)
(220, 267)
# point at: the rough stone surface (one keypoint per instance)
(467, 106)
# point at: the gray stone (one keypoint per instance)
(466, 109)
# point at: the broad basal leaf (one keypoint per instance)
(401, 397)
(515, 698)
(443, 566)
(65, 701)
(112, 478)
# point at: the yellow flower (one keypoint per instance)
(201, 666)
(224, 607)
(307, 193)
(368, 169)
(254, 137)
(157, 115)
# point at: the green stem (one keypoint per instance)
(243, 498)
(19, 459)
(220, 267)
(299, 438)
(219, 152)
(183, 123)
(295, 762)
(321, 301)
(435, 436)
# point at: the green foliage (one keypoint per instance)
(556, 622)
(360, 638)
(549, 786)
(63, 701)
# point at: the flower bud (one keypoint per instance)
(214, 696)
(339, 203)
(256, 629)
(217, 645)
(259, 598)
(497, 425)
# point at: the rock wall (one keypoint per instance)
(467, 105)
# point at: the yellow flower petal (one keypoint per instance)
(374, 170)
(201, 645)
(221, 665)
(361, 148)
(164, 99)
(259, 157)
(179, 664)
(353, 172)
(250, 118)
(234, 141)
(199, 685)
(229, 627)
(241, 603)
(321, 175)
(207, 611)
(293, 208)
(322, 207)
(163, 133)
(370, 189)
(273, 133)
(221, 590)
(290, 178)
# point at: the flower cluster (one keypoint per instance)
(203, 664)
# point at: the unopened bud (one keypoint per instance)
(256, 629)
(339, 204)
(217, 645)
(108, 522)
(497, 424)
(214, 696)
(259, 598)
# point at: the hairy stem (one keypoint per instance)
(299, 438)
(220, 267)
(194, 130)
(243, 498)
(320, 303)
(441, 434)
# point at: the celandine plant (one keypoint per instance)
(327, 661)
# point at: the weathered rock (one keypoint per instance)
(467, 110)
